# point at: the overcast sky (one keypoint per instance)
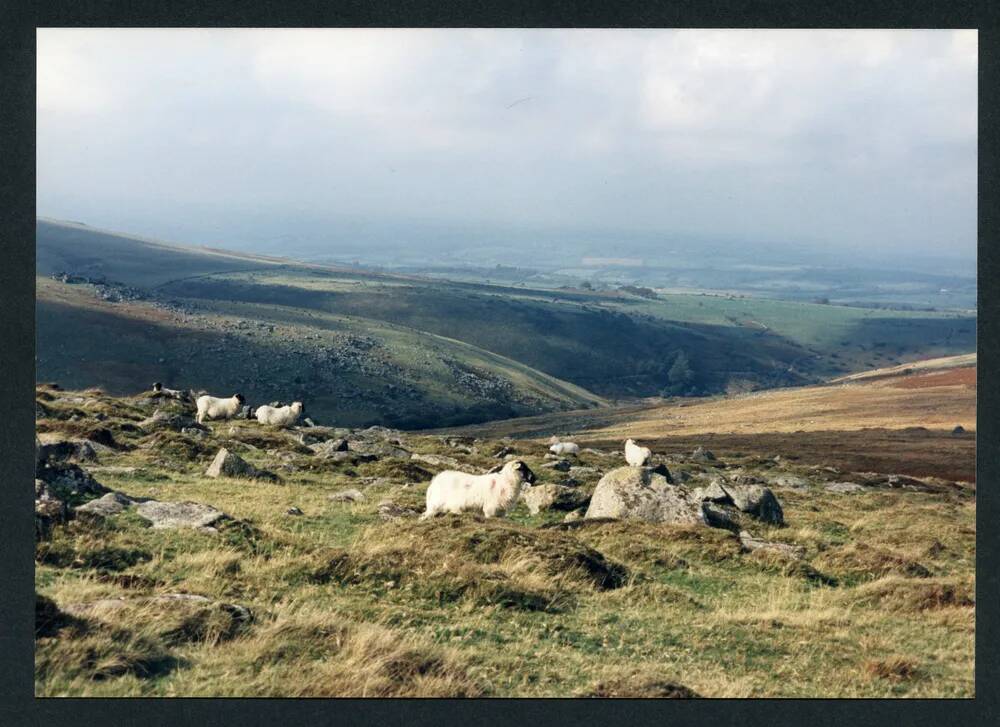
(843, 140)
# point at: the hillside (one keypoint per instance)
(900, 417)
(314, 577)
(530, 350)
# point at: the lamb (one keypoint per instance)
(565, 448)
(492, 493)
(210, 407)
(635, 455)
(280, 416)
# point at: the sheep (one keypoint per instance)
(635, 455)
(280, 416)
(210, 407)
(492, 493)
(565, 448)
(160, 390)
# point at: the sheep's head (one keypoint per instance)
(553, 439)
(522, 470)
(629, 441)
(298, 407)
(239, 398)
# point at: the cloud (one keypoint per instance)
(787, 135)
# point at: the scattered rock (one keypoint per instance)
(503, 452)
(437, 460)
(574, 515)
(757, 501)
(166, 420)
(791, 481)
(347, 496)
(661, 469)
(325, 449)
(109, 504)
(639, 493)
(294, 511)
(561, 465)
(584, 472)
(750, 543)
(169, 515)
(843, 487)
(700, 454)
(553, 497)
(68, 480)
(959, 429)
(228, 464)
(389, 510)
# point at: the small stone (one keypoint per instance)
(347, 496)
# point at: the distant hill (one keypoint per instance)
(376, 348)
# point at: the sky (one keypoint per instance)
(841, 141)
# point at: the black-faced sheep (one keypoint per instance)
(280, 416)
(210, 407)
(492, 494)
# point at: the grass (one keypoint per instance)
(344, 604)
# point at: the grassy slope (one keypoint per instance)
(882, 607)
(613, 344)
(82, 340)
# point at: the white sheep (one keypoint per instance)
(635, 455)
(492, 494)
(565, 448)
(210, 407)
(280, 416)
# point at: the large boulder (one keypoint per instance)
(756, 501)
(642, 494)
(68, 480)
(170, 515)
(553, 497)
(439, 461)
(228, 464)
(378, 447)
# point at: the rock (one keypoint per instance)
(561, 465)
(570, 482)
(553, 497)
(503, 452)
(325, 449)
(293, 511)
(437, 460)
(169, 515)
(844, 487)
(389, 510)
(228, 464)
(757, 501)
(750, 543)
(584, 472)
(165, 420)
(661, 469)
(347, 496)
(68, 480)
(49, 509)
(377, 448)
(55, 451)
(791, 481)
(574, 515)
(109, 504)
(719, 515)
(244, 412)
(308, 422)
(639, 493)
(713, 492)
(959, 429)
(700, 454)
(193, 432)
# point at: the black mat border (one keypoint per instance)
(18, 20)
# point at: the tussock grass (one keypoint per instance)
(344, 604)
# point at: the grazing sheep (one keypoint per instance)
(158, 388)
(492, 494)
(635, 455)
(280, 416)
(210, 407)
(565, 448)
